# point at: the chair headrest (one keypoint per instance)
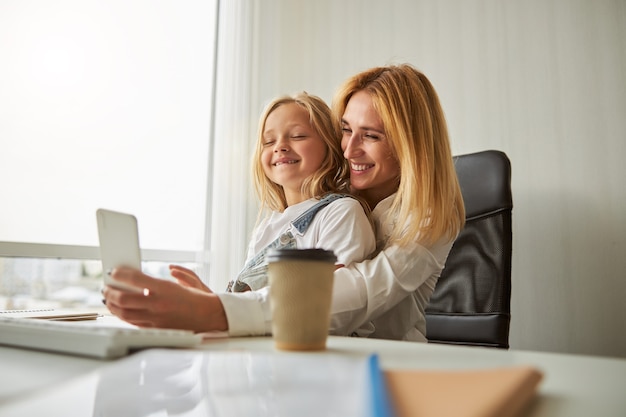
(485, 180)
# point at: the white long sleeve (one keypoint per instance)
(384, 297)
(248, 313)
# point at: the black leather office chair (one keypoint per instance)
(471, 304)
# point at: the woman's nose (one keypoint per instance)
(351, 146)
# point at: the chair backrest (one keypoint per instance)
(471, 304)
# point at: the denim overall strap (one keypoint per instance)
(254, 274)
(302, 222)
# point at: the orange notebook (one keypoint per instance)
(498, 392)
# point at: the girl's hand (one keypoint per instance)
(188, 278)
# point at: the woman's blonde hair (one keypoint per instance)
(333, 174)
(428, 204)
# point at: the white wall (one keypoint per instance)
(542, 80)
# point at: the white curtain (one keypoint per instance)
(233, 205)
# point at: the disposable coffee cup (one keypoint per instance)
(301, 288)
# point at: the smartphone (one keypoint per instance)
(119, 244)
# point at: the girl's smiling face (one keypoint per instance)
(292, 149)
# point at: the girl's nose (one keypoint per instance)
(281, 146)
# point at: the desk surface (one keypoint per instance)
(573, 385)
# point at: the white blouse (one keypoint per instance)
(384, 297)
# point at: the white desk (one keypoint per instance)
(572, 386)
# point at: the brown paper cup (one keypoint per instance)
(301, 286)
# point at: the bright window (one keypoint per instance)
(105, 104)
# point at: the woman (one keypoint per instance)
(395, 139)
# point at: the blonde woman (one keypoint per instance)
(395, 139)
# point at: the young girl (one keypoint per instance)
(301, 179)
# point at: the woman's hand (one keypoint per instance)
(188, 278)
(164, 303)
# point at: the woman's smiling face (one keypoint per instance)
(374, 171)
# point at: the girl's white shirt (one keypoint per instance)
(384, 297)
(342, 227)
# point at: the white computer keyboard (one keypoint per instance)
(86, 338)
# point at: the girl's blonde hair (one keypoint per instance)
(333, 174)
(428, 204)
